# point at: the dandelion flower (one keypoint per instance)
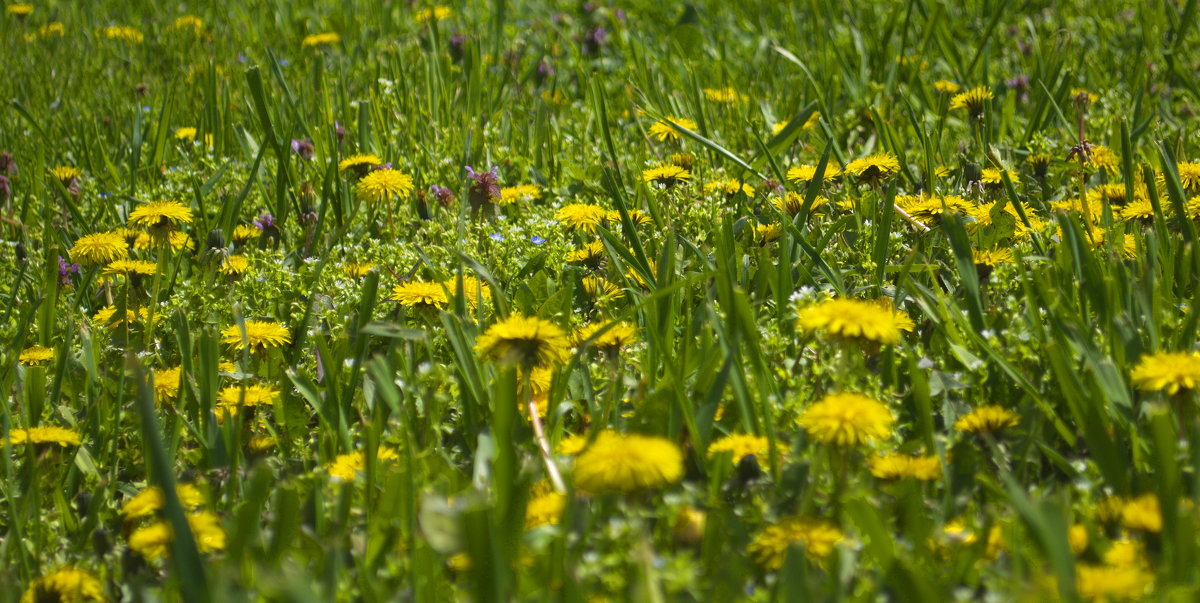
(252, 395)
(666, 174)
(357, 269)
(522, 192)
(420, 294)
(617, 336)
(622, 463)
(65, 174)
(817, 537)
(727, 95)
(730, 187)
(320, 39)
(874, 167)
(847, 419)
(44, 435)
(664, 131)
(1142, 513)
(1189, 174)
(792, 203)
(260, 335)
(972, 100)
(742, 445)
(151, 500)
(802, 174)
(122, 32)
(153, 542)
(359, 161)
(526, 340)
(234, 265)
(245, 232)
(186, 133)
(590, 254)
(1167, 371)
(904, 466)
(166, 383)
(176, 240)
(189, 22)
(35, 356)
(600, 288)
(571, 445)
(131, 268)
(946, 87)
(991, 257)
(1112, 582)
(1139, 209)
(871, 321)
(383, 185)
(437, 13)
(65, 585)
(19, 10)
(766, 233)
(160, 214)
(545, 509)
(582, 217)
(993, 177)
(987, 419)
(345, 467)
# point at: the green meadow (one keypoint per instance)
(621, 300)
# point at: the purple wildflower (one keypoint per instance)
(8, 165)
(594, 39)
(264, 221)
(443, 195)
(65, 271)
(304, 148)
(5, 188)
(485, 186)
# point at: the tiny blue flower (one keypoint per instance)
(536, 240)
(55, 104)
(284, 62)
(497, 236)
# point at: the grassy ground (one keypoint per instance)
(814, 300)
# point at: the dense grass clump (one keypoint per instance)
(617, 300)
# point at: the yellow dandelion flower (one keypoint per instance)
(874, 167)
(186, 133)
(383, 185)
(972, 100)
(19, 10)
(847, 419)
(151, 500)
(359, 161)
(437, 13)
(993, 177)
(872, 321)
(987, 419)
(802, 174)
(601, 289)
(946, 87)
(1138, 209)
(53, 28)
(521, 192)
(1142, 513)
(245, 232)
(817, 537)
(991, 257)
(474, 290)
(175, 239)
(260, 335)
(189, 22)
(35, 356)
(571, 445)
(320, 39)
(742, 445)
(1189, 175)
(626, 463)
(122, 32)
(420, 294)
(590, 253)
(664, 131)
(727, 95)
(357, 269)
(545, 510)
(166, 383)
(792, 203)
(904, 466)
(51, 434)
(235, 265)
(730, 187)
(1083, 94)
(160, 214)
(131, 268)
(580, 216)
(1167, 371)
(1112, 582)
(639, 217)
(251, 395)
(526, 340)
(345, 467)
(765, 233)
(153, 542)
(65, 174)
(666, 174)
(64, 585)
(619, 335)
